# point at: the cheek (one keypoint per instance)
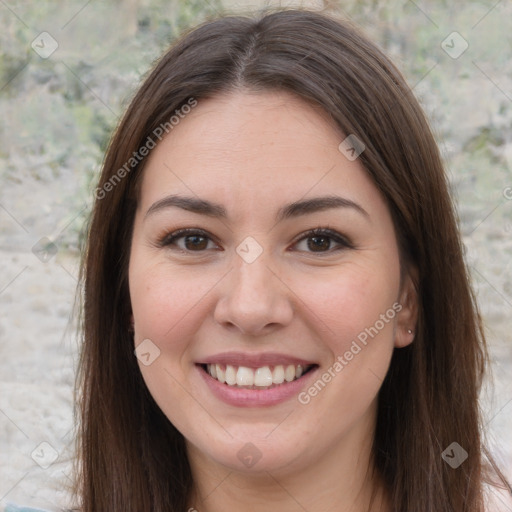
(163, 310)
(356, 312)
(349, 306)
(164, 302)
(166, 305)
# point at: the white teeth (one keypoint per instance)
(289, 373)
(244, 376)
(263, 377)
(230, 375)
(221, 374)
(278, 374)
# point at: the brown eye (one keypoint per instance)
(324, 241)
(193, 242)
(188, 240)
(319, 243)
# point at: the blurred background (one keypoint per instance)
(68, 70)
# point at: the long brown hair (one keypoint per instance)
(131, 458)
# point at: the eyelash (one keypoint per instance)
(170, 239)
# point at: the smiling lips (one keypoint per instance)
(255, 371)
(255, 378)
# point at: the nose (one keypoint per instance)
(254, 299)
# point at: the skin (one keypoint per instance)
(253, 153)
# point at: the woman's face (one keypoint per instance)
(248, 295)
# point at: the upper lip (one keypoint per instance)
(254, 360)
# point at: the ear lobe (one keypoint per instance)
(408, 316)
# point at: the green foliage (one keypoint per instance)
(59, 112)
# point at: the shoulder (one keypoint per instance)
(20, 508)
(12, 507)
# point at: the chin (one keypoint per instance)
(254, 452)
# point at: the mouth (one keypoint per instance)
(244, 379)
(260, 378)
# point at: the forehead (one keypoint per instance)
(253, 148)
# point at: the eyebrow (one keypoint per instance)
(295, 209)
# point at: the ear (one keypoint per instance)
(405, 327)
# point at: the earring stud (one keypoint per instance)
(409, 331)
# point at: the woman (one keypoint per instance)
(276, 308)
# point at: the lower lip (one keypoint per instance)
(241, 397)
